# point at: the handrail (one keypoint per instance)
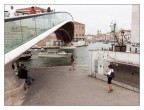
(7, 19)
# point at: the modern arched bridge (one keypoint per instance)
(23, 32)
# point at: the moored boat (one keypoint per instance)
(26, 55)
(61, 54)
(68, 47)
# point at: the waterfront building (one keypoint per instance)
(109, 36)
(48, 41)
(127, 35)
(79, 29)
(90, 37)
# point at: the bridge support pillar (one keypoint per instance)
(13, 86)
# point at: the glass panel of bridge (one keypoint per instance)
(46, 22)
(49, 21)
(40, 24)
(28, 29)
(12, 35)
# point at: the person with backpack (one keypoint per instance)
(110, 75)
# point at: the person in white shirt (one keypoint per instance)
(12, 12)
(110, 78)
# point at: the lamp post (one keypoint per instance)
(114, 34)
(113, 26)
(122, 34)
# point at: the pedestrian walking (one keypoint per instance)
(12, 12)
(49, 9)
(72, 63)
(32, 10)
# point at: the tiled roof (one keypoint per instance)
(77, 23)
(126, 30)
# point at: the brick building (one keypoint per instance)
(79, 29)
(49, 40)
(127, 35)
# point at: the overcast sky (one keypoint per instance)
(95, 17)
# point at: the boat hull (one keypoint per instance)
(25, 58)
(68, 48)
(43, 55)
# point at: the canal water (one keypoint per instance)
(80, 54)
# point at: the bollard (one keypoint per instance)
(135, 50)
(112, 48)
(102, 48)
(130, 49)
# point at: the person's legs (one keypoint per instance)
(109, 88)
(29, 77)
(73, 66)
(29, 81)
(70, 67)
(109, 85)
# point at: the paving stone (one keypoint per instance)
(59, 86)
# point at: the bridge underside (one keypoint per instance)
(66, 32)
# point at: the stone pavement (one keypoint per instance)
(59, 86)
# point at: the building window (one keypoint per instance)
(76, 35)
(79, 34)
(82, 27)
(82, 34)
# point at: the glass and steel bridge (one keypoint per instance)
(22, 32)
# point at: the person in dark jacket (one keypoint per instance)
(72, 63)
(49, 10)
(23, 74)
